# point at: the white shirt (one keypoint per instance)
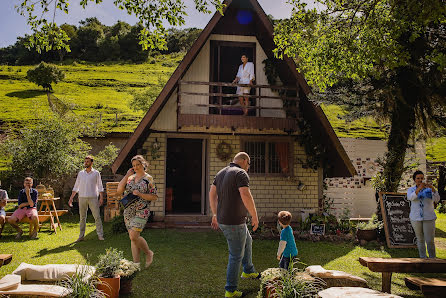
(422, 208)
(246, 74)
(88, 185)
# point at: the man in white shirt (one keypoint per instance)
(89, 186)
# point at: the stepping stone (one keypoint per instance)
(335, 278)
(346, 292)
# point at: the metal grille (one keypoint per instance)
(268, 157)
(256, 151)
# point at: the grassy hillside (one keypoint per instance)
(101, 93)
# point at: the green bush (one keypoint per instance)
(118, 225)
(290, 283)
(441, 208)
(82, 284)
(108, 263)
(44, 75)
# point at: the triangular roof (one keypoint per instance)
(321, 127)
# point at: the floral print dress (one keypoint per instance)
(137, 213)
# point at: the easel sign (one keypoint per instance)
(395, 209)
(317, 229)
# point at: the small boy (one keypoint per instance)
(3, 201)
(287, 246)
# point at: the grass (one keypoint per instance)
(101, 92)
(190, 263)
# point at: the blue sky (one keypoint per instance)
(14, 25)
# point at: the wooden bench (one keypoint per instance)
(5, 259)
(430, 287)
(43, 217)
(402, 265)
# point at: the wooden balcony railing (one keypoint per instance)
(219, 100)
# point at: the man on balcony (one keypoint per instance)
(245, 75)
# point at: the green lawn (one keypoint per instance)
(100, 92)
(191, 263)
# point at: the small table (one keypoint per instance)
(402, 265)
(5, 259)
(48, 203)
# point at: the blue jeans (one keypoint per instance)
(425, 232)
(240, 252)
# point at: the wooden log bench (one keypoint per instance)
(430, 287)
(43, 217)
(387, 266)
(5, 259)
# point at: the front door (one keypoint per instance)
(184, 176)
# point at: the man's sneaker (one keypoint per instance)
(254, 275)
(19, 235)
(233, 294)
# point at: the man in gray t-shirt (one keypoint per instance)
(230, 199)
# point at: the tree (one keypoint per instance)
(44, 75)
(384, 58)
(51, 151)
(151, 14)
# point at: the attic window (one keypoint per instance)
(268, 157)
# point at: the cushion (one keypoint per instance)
(335, 278)
(38, 290)
(353, 292)
(9, 282)
(50, 272)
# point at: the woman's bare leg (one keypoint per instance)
(139, 243)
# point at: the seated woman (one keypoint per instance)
(245, 75)
(422, 214)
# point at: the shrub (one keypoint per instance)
(118, 225)
(441, 208)
(82, 284)
(108, 263)
(290, 283)
(44, 75)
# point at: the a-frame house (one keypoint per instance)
(196, 120)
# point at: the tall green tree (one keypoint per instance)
(152, 16)
(384, 58)
(51, 151)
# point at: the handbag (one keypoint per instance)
(128, 199)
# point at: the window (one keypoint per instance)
(269, 157)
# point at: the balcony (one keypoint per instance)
(216, 104)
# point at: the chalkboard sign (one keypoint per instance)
(317, 229)
(395, 209)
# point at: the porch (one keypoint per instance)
(216, 104)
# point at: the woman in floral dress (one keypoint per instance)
(140, 184)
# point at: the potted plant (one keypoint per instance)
(107, 268)
(277, 282)
(82, 284)
(127, 271)
(368, 231)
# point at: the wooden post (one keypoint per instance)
(220, 98)
(386, 282)
(178, 103)
(259, 103)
